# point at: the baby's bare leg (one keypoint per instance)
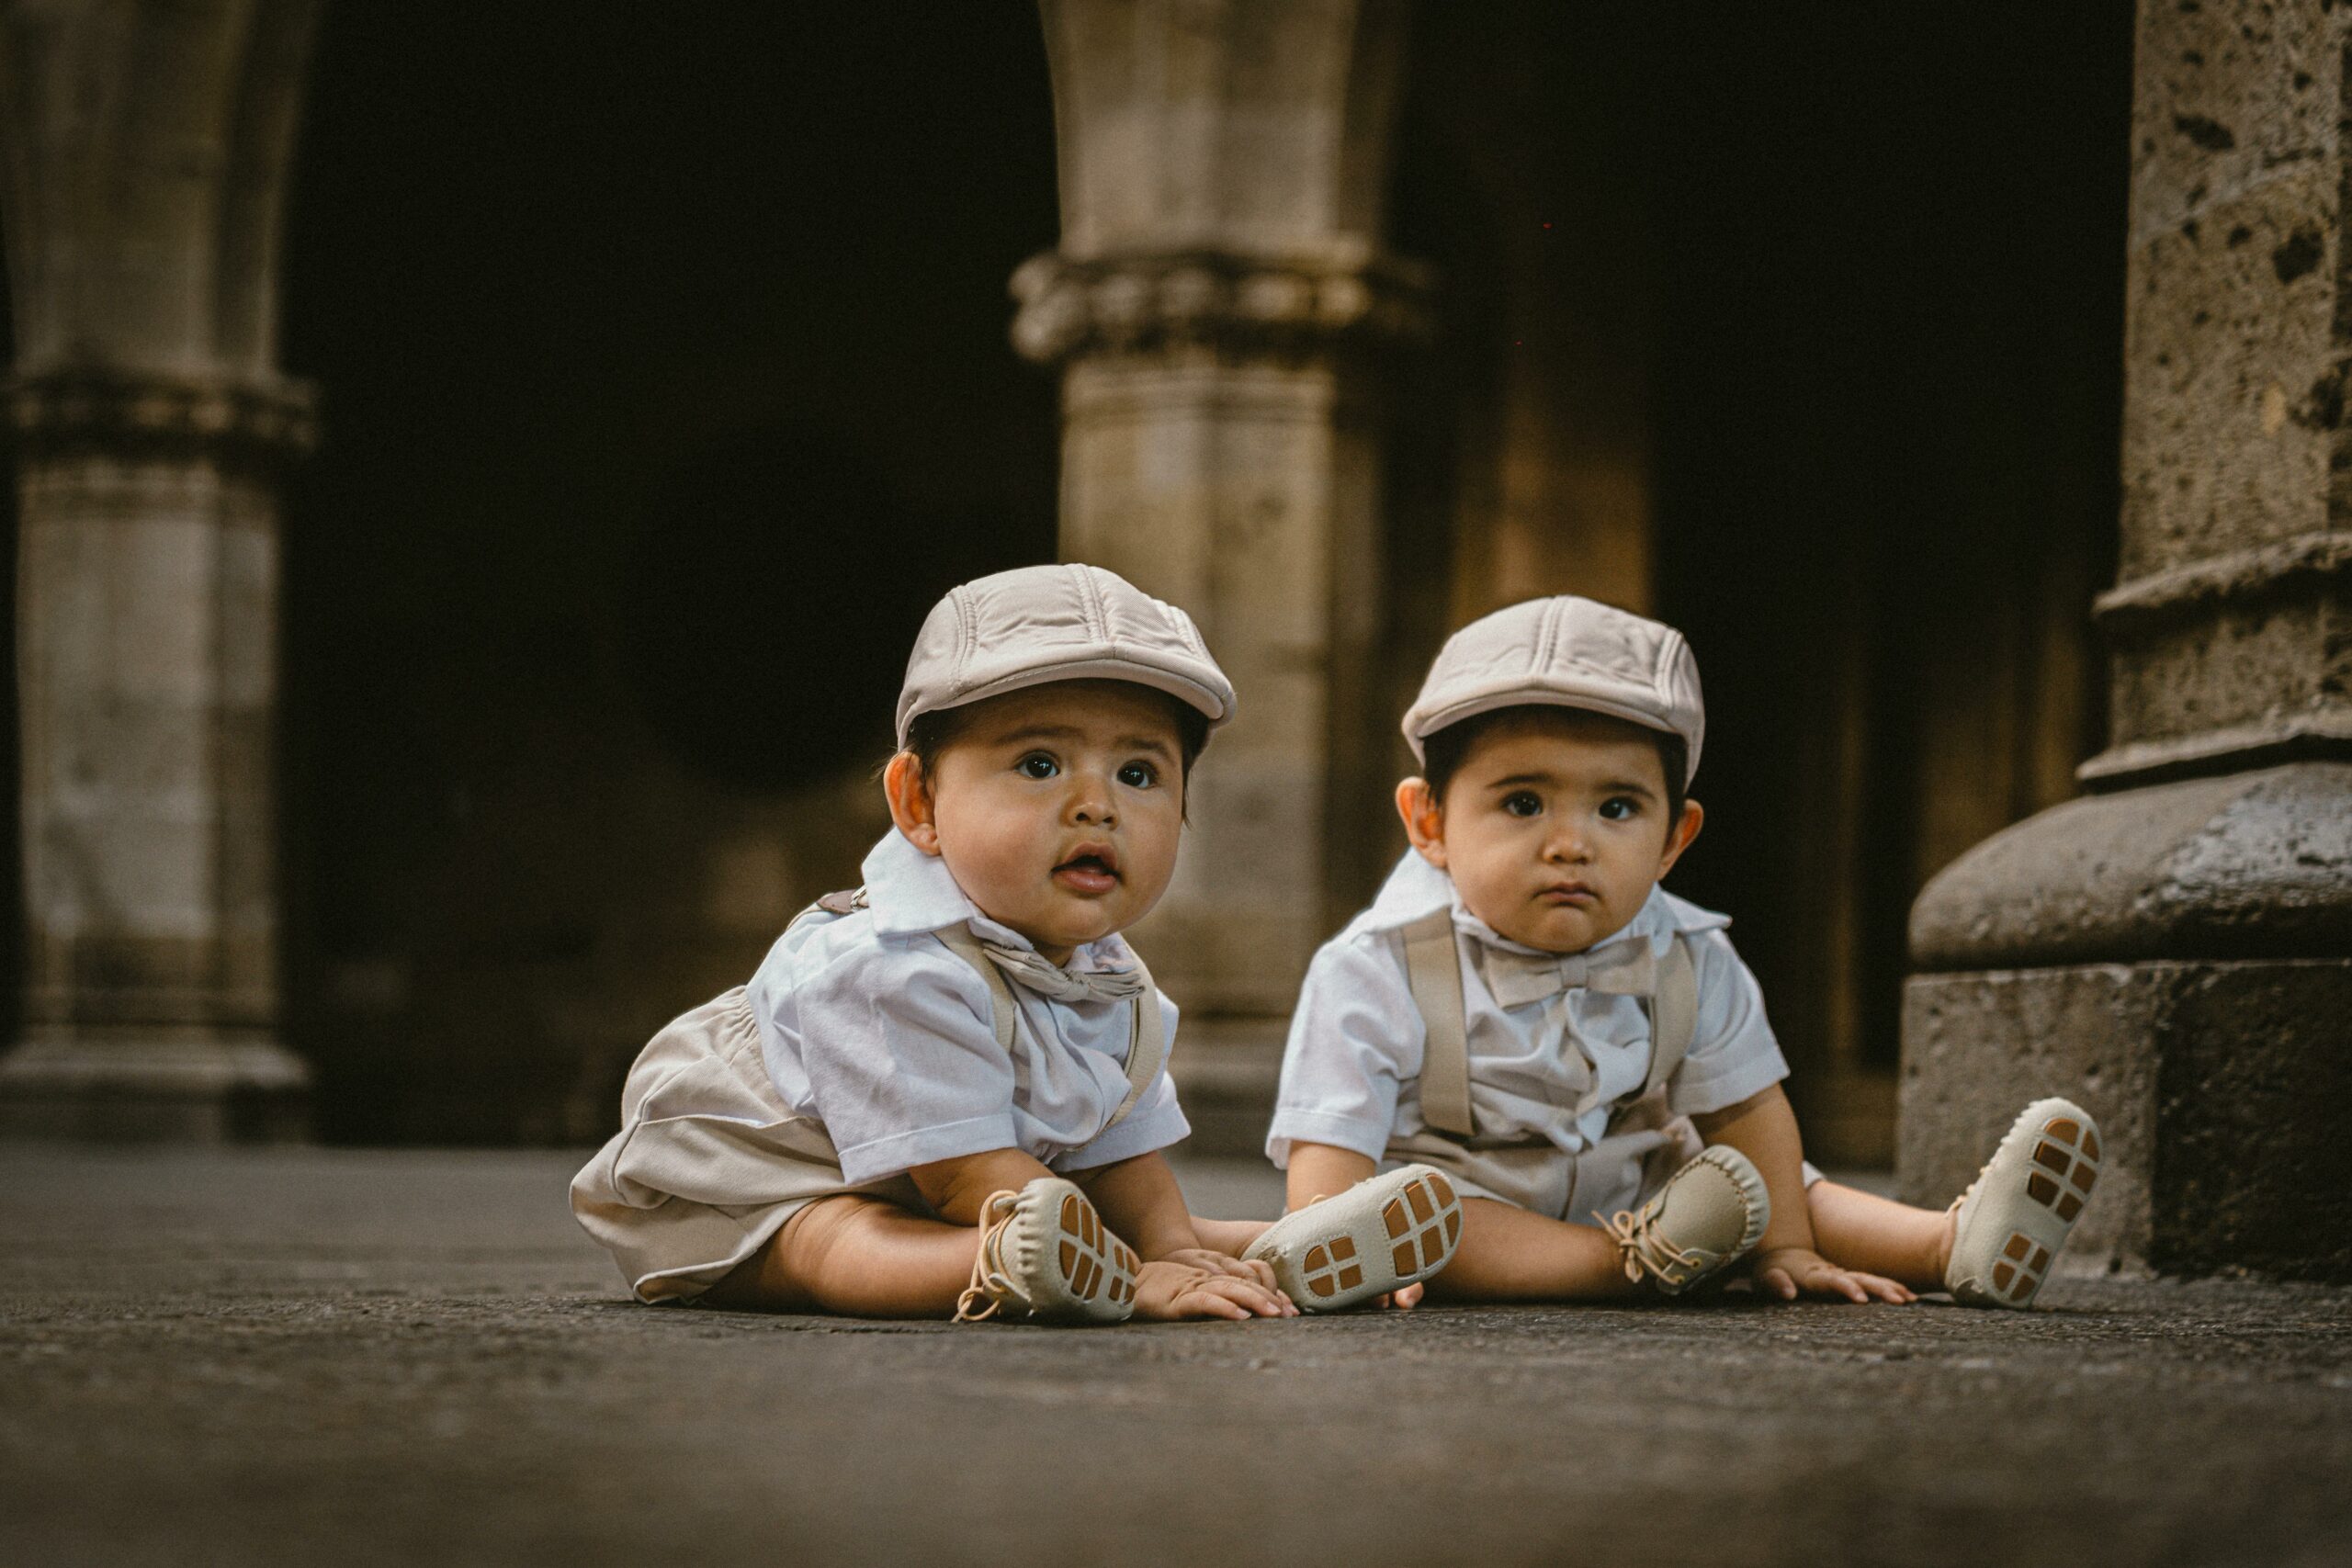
(1508, 1254)
(857, 1256)
(1861, 1230)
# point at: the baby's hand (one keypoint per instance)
(1789, 1272)
(1198, 1284)
(1224, 1263)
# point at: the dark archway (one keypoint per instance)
(665, 385)
(1850, 300)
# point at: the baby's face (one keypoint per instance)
(1554, 828)
(1058, 810)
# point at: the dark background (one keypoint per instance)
(666, 384)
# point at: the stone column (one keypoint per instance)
(147, 148)
(1216, 296)
(2175, 949)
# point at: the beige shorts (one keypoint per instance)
(709, 1162)
(1646, 1144)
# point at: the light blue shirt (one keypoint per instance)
(1351, 1071)
(872, 1027)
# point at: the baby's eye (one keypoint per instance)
(1620, 809)
(1138, 775)
(1036, 765)
(1524, 803)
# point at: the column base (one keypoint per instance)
(152, 1086)
(2175, 957)
(1227, 1075)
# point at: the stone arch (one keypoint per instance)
(146, 149)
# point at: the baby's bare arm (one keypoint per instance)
(1787, 1262)
(1182, 1276)
(1764, 1128)
(1140, 1202)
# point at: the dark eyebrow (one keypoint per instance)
(1036, 732)
(1029, 732)
(1611, 786)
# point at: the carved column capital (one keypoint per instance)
(60, 413)
(1214, 306)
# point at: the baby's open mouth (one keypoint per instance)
(1089, 871)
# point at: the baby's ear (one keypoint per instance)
(1424, 819)
(911, 807)
(1678, 837)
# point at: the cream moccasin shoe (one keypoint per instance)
(1381, 1235)
(1707, 1216)
(2015, 1216)
(1046, 1254)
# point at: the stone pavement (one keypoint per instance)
(311, 1356)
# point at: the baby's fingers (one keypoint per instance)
(1778, 1282)
(1261, 1272)
(1883, 1289)
(1226, 1296)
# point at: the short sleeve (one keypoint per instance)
(1154, 1122)
(1734, 1053)
(899, 1051)
(1354, 1039)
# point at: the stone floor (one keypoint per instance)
(316, 1357)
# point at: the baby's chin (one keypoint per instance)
(1564, 937)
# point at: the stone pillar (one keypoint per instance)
(147, 148)
(2175, 949)
(1217, 298)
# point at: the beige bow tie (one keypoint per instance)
(1514, 979)
(1041, 975)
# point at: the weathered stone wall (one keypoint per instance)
(2175, 950)
(147, 147)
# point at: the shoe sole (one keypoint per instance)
(1345, 1262)
(2066, 1165)
(1096, 1266)
(2060, 1143)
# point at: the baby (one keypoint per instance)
(948, 1090)
(1584, 1054)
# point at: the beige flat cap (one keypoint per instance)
(1038, 624)
(1569, 653)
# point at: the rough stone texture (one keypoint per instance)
(2218, 1087)
(1217, 286)
(296, 1358)
(2236, 333)
(2231, 328)
(1979, 1048)
(2226, 890)
(150, 419)
(2258, 1070)
(2243, 865)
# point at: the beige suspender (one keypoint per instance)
(1674, 1012)
(1001, 1007)
(1433, 971)
(1147, 1044)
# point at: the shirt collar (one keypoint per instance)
(910, 893)
(1415, 888)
